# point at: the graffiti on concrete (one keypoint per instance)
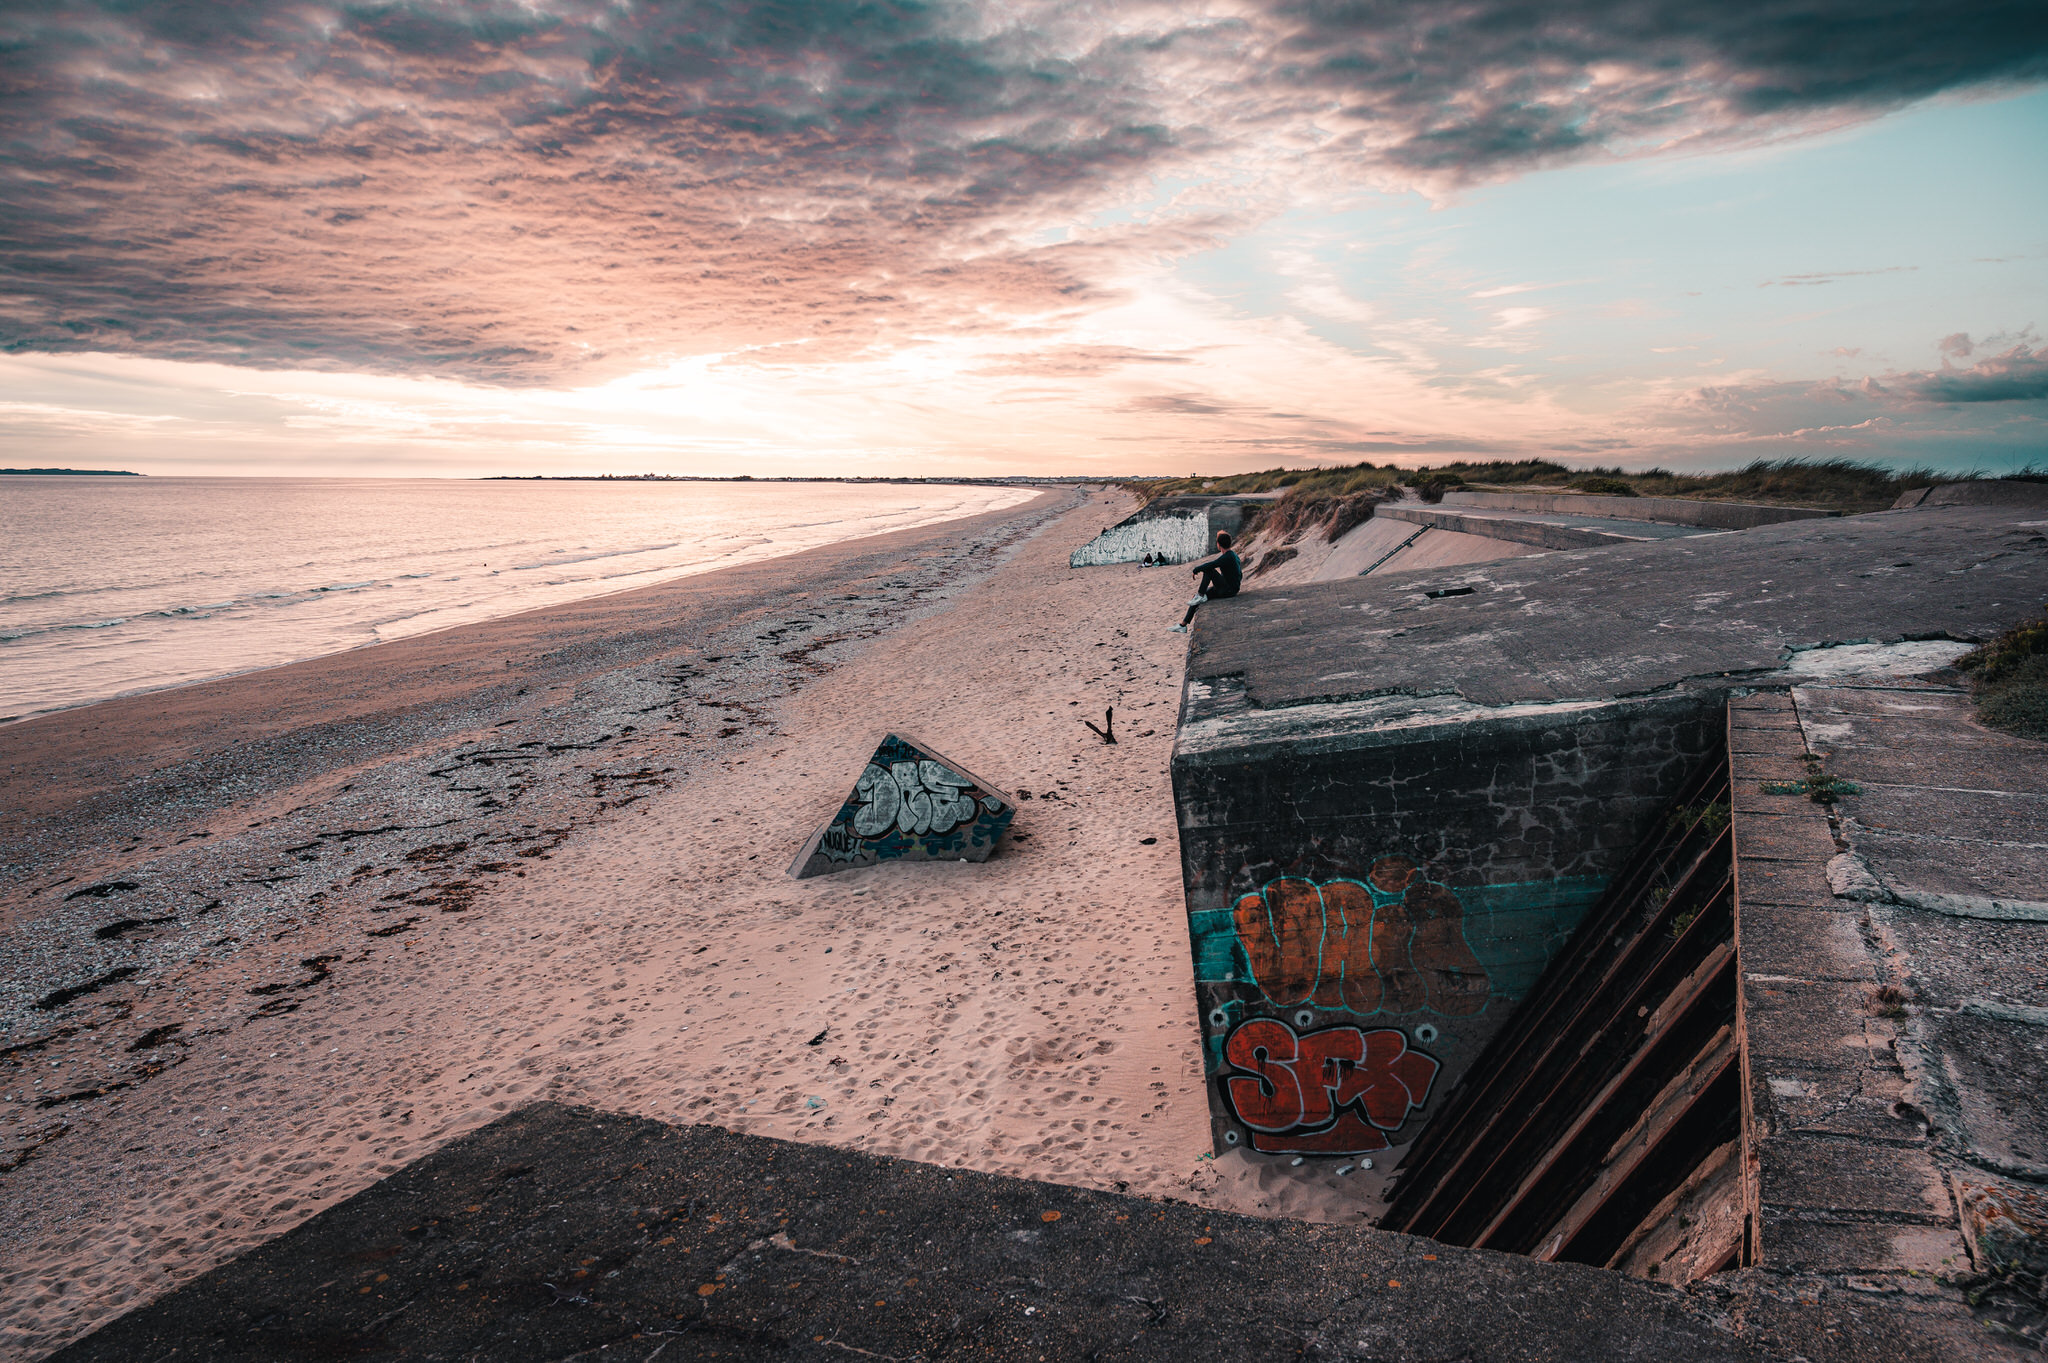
(1392, 942)
(915, 797)
(1336, 1091)
(908, 804)
(1178, 538)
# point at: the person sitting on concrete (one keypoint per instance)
(1221, 577)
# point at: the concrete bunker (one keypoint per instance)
(1170, 530)
(1463, 854)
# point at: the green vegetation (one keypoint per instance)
(1817, 786)
(1711, 818)
(1830, 484)
(1605, 487)
(2009, 679)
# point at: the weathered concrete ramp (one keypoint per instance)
(1385, 545)
(910, 803)
(560, 1233)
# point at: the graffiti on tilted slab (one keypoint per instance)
(908, 804)
(1336, 1091)
(913, 797)
(1390, 942)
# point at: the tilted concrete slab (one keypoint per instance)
(561, 1232)
(910, 803)
(1384, 545)
(1449, 549)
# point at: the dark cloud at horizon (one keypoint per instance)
(2016, 375)
(1994, 408)
(523, 194)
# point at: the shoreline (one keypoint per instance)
(543, 857)
(739, 556)
(175, 718)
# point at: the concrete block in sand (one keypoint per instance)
(910, 803)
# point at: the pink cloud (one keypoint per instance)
(529, 193)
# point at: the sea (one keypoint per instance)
(111, 586)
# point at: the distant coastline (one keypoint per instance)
(75, 473)
(1017, 480)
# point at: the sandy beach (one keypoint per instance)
(271, 938)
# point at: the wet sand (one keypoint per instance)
(545, 857)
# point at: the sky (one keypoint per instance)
(1121, 237)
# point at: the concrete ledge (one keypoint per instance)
(1667, 510)
(1990, 492)
(1840, 1173)
(1516, 532)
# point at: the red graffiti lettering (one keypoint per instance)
(1336, 1091)
(1393, 942)
(1268, 1097)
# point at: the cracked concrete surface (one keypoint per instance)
(1892, 951)
(1630, 620)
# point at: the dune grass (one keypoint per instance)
(1826, 484)
(2009, 679)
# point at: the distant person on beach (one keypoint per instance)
(1221, 576)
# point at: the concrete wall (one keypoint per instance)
(1670, 510)
(1536, 534)
(1373, 885)
(1172, 529)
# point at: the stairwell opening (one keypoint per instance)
(1602, 1123)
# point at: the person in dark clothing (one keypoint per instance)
(1221, 576)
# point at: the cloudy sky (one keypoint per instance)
(853, 236)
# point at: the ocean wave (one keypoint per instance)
(380, 628)
(582, 547)
(604, 553)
